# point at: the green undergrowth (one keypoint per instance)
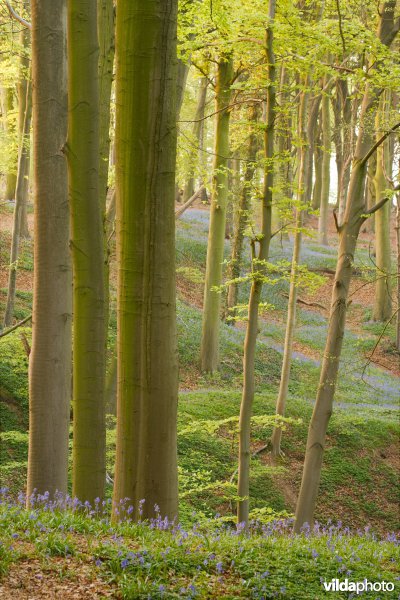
(208, 560)
(359, 477)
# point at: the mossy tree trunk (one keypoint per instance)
(50, 357)
(258, 268)
(382, 310)
(147, 387)
(87, 252)
(209, 354)
(11, 175)
(355, 214)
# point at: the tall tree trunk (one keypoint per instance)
(355, 214)
(106, 35)
(348, 143)
(292, 303)
(216, 237)
(147, 388)
(326, 161)
(337, 136)
(370, 193)
(316, 196)
(242, 218)
(258, 267)
(382, 310)
(50, 358)
(196, 138)
(312, 123)
(24, 74)
(11, 175)
(19, 201)
(87, 252)
(398, 270)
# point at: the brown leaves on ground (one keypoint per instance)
(53, 578)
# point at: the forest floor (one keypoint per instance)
(359, 487)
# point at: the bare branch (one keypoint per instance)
(14, 327)
(377, 206)
(16, 16)
(379, 142)
(189, 202)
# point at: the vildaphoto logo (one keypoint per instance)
(359, 587)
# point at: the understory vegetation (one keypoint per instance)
(205, 556)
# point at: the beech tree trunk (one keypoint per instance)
(106, 36)
(11, 175)
(241, 218)
(292, 303)
(325, 182)
(87, 247)
(316, 196)
(258, 268)
(383, 287)
(50, 357)
(209, 356)
(196, 138)
(23, 167)
(24, 75)
(147, 387)
(355, 215)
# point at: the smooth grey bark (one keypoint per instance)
(50, 357)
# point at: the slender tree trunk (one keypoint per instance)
(196, 138)
(354, 217)
(398, 271)
(147, 387)
(325, 183)
(50, 358)
(216, 237)
(312, 123)
(19, 200)
(292, 304)
(258, 267)
(24, 74)
(11, 175)
(316, 197)
(370, 193)
(283, 168)
(348, 144)
(87, 252)
(242, 218)
(337, 137)
(106, 35)
(383, 287)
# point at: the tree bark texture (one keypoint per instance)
(209, 357)
(147, 386)
(87, 252)
(50, 357)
